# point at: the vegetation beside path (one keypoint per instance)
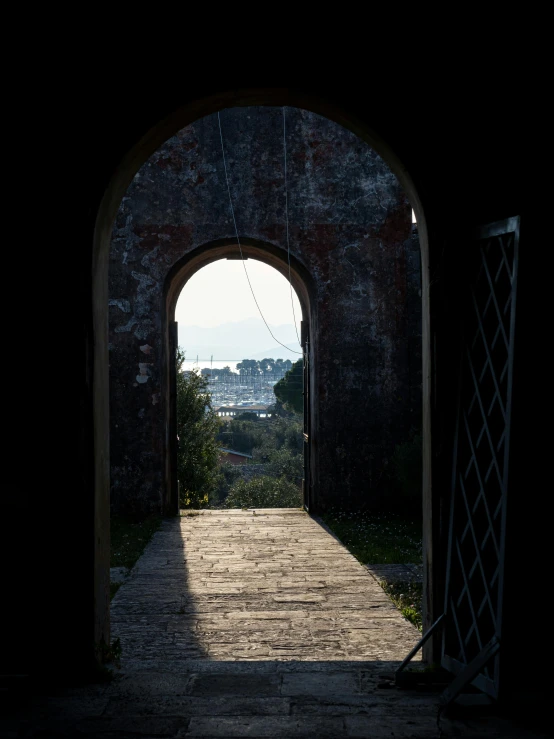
(128, 540)
(383, 539)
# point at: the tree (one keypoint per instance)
(267, 366)
(228, 475)
(289, 389)
(243, 433)
(278, 409)
(198, 449)
(284, 463)
(249, 367)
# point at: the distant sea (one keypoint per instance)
(191, 364)
(232, 342)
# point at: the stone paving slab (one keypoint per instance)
(118, 575)
(243, 624)
(251, 601)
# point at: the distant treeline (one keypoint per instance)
(251, 368)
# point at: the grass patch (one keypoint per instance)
(384, 539)
(377, 538)
(406, 596)
(129, 539)
(114, 587)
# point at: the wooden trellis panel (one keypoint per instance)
(475, 568)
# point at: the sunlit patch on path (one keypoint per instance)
(242, 585)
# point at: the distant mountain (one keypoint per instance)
(237, 340)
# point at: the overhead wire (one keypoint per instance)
(240, 247)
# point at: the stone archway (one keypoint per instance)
(105, 218)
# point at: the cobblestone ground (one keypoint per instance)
(239, 585)
(252, 624)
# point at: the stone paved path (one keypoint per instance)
(243, 624)
(239, 585)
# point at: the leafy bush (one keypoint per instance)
(243, 434)
(264, 492)
(265, 435)
(228, 475)
(198, 450)
(283, 463)
(288, 433)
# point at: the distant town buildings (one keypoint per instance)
(250, 388)
(262, 411)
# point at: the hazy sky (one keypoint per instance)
(219, 293)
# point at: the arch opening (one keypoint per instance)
(245, 391)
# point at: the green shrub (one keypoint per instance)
(243, 433)
(197, 428)
(228, 475)
(262, 436)
(283, 463)
(264, 492)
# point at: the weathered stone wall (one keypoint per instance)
(350, 227)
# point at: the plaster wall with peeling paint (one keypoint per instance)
(349, 226)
